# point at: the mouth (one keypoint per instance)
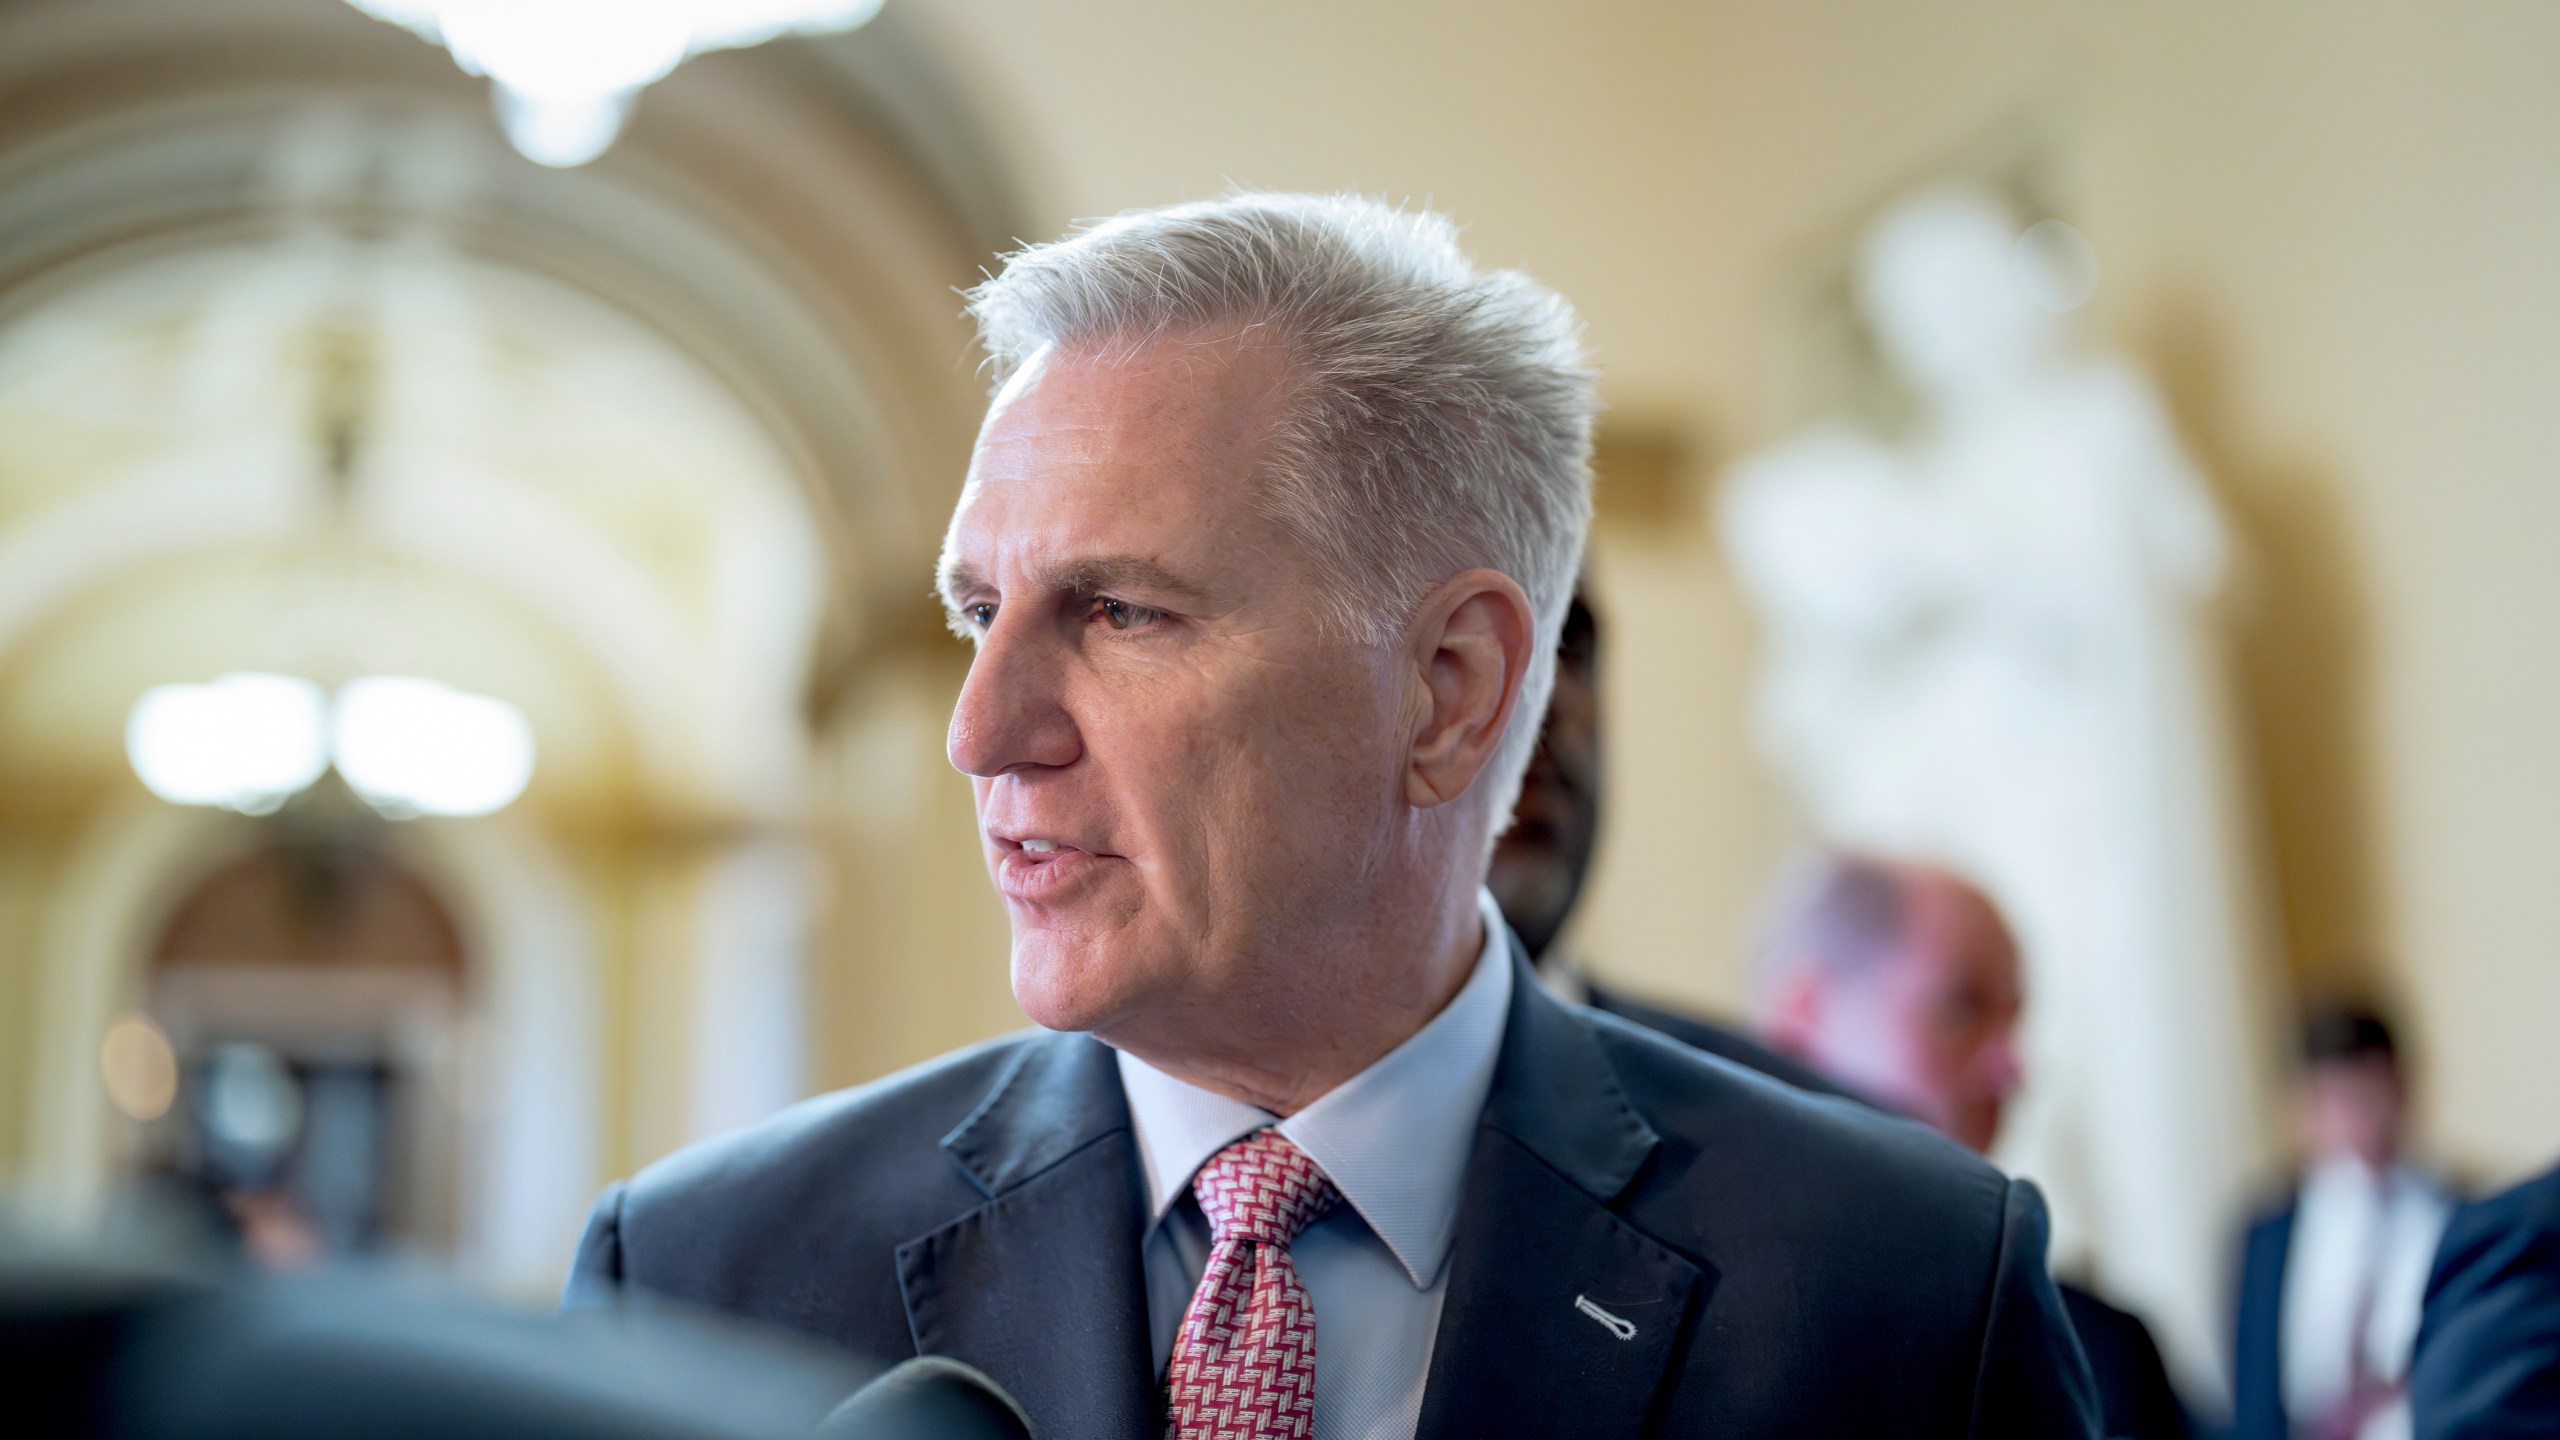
(1043, 869)
(1039, 847)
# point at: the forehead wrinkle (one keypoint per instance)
(1082, 439)
(1112, 572)
(1080, 575)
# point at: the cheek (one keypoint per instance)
(1954, 1057)
(1319, 757)
(1240, 799)
(1270, 770)
(1910, 1050)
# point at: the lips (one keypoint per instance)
(1041, 846)
(1041, 870)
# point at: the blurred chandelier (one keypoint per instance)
(565, 71)
(251, 742)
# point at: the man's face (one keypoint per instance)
(2351, 1108)
(1539, 864)
(1932, 1030)
(1179, 774)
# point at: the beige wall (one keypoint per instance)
(2326, 225)
(913, 957)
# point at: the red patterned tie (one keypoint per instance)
(1244, 1366)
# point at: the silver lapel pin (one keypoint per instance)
(1623, 1328)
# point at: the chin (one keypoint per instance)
(1067, 982)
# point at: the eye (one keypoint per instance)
(1121, 615)
(981, 615)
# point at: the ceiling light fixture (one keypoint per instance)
(244, 742)
(416, 747)
(566, 71)
(409, 746)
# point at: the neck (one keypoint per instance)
(1385, 978)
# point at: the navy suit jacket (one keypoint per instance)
(2135, 1399)
(1715, 1039)
(2134, 1393)
(2257, 1368)
(2487, 1366)
(1793, 1266)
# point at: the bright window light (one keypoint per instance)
(245, 741)
(412, 746)
(566, 70)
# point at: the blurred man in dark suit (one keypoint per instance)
(2332, 1279)
(2487, 1365)
(1265, 550)
(1902, 980)
(1541, 861)
(1896, 986)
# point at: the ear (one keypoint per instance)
(1470, 645)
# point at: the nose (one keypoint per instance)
(1012, 714)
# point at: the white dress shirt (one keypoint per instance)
(2362, 1246)
(1395, 1139)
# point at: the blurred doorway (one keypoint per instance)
(313, 992)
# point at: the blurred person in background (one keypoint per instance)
(1540, 863)
(1901, 980)
(1895, 986)
(2487, 1362)
(1266, 548)
(2332, 1279)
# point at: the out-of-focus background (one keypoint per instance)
(471, 718)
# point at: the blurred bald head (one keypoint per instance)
(1900, 980)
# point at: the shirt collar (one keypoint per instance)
(1394, 1138)
(2345, 1180)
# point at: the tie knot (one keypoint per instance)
(1262, 1188)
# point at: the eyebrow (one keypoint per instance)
(1084, 576)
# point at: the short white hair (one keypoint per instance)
(1442, 414)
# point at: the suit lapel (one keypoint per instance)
(1561, 1319)
(1042, 1286)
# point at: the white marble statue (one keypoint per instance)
(1989, 641)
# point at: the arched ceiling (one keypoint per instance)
(657, 448)
(531, 485)
(65, 689)
(796, 215)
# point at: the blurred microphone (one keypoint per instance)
(928, 1398)
(95, 1351)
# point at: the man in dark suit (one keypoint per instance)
(1265, 549)
(1902, 979)
(1925, 1020)
(2332, 1278)
(2487, 1365)
(1540, 863)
